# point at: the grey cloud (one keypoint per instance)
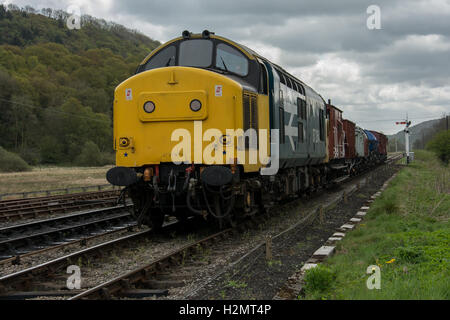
(315, 39)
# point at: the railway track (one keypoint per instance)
(140, 282)
(394, 157)
(162, 274)
(27, 237)
(288, 247)
(18, 209)
(35, 281)
(83, 242)
(136, 282)
(156, 277)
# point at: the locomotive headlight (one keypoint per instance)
(149, 107)
(195, 105)
(124, 142)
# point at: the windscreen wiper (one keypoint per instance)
(170, 59)
(225, 66)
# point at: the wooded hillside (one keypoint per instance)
(57, 84)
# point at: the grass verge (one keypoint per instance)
(50, 178)
(406, 233)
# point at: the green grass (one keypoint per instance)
(406, 233)
(236, 284)
(318, 281)
(274, 263)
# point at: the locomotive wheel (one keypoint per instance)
(156, 219)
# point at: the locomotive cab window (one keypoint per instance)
(164, 58)
(196, 53)
(230, 59)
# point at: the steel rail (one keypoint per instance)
(54, 209)
(34, 209)
(82, 242)
(125, 281)
(61, 191)
(9, 202)
(20, 238)
(24, 279)
(52, 203)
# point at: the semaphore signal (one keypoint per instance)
(407, 123)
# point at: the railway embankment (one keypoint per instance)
(261, 272)
(401, 250)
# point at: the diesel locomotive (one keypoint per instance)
(208, 127)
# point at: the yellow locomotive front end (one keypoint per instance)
(151, 108)
(178, 124)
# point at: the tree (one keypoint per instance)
(22, 116)
(90, 155)
(440, 144)
(51, 150)
(57, 85)
(2, 11)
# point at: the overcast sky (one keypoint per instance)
(374, 76)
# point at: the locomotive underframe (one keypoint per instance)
(179, 190)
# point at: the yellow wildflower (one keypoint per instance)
(390, 261)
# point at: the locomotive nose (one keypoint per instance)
(153, 106)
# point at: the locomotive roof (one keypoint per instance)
(253, 55)
(250, 53)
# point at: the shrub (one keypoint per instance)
(410, 254)
(31, 156)
(319, 279)
(90, 155)
(108, 158)
(440, 144)
(11, 162)
(389, 204)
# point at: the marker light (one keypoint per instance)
(195, 105)
(149, 107)
(124, 142)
